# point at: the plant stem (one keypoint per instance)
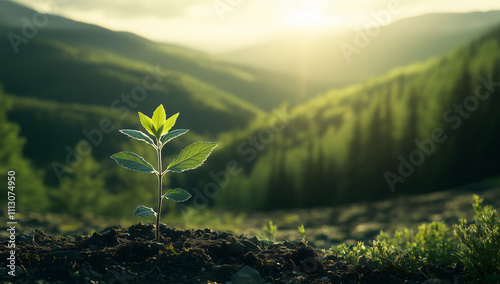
(160, 176)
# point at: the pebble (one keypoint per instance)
(247, 275)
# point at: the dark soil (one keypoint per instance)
(131, 255)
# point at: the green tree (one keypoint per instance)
(82, 190)
(29, 189)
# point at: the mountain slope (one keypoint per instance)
(397, 44)
(421, 128)
(261, 88)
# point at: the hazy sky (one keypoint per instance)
(222, 25)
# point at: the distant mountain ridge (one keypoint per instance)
(255, 86)
(398, 44)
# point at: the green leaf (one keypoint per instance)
(171, 135)
(142, 211)
(137, 135)
(146, 123)
(132, 161)
(169, 123)
(177, 195)
(158, 120)
(192, 156)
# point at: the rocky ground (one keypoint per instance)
(46, 254)
(130, 255)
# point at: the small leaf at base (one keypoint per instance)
(177, 195)
(142, 211)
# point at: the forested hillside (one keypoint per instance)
(67, 92)
(86, 48)
(421, 128)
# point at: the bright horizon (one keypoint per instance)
(224, 25)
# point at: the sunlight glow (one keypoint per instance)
(305, 16)
(304, 19)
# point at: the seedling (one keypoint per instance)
(189, 158)
(271, 231)
(302, 232)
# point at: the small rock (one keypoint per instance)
(236, 249)
(56, 247)
(203, 269)
(247, 275)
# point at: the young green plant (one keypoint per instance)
(189, 158)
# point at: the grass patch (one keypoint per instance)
(475, 245)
